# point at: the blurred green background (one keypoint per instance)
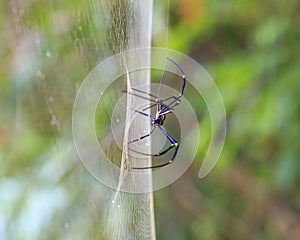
(250, 48)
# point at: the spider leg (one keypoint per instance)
(173, 142)
(149, 94)
(183, 76)
(155, 104)
(176, 99)
(136, 95)
(145, 114)
(166, 112)
(140, 138)
(151, 106)
(173, 103)
(170, 107)
(165, 107)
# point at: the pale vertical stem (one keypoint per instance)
(140, 36)
(132, 215)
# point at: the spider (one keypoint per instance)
(158, 119)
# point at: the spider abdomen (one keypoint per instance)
(160, 120)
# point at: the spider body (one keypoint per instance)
(163, 107)
(159, 121)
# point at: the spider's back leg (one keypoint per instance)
(174, 144)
